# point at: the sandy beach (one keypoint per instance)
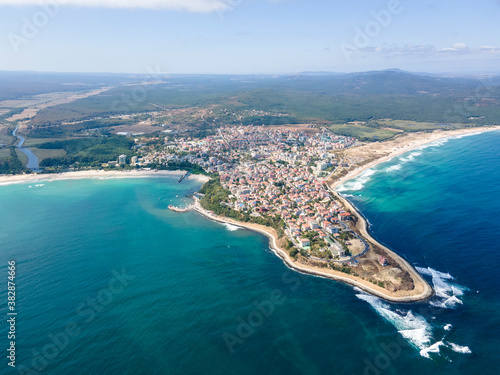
(95, 174)
(421, 292)
(369, 155)
(374, 153)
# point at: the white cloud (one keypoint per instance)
(200, 6)
(426, 50)
(490, 49)
(458, 46)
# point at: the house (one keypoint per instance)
(332, 230)
(344, 216)
(313, 224)
(383, 261)
(304, 243)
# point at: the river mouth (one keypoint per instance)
(32, 158)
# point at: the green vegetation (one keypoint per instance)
(411, 102)
(215, 194)
(87, 151)
(342, 268)
(11, 113)
(56, 129)
(12, 164)
(43, 154)
(362, 132)
(185, 166)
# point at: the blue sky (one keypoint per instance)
(250, 36)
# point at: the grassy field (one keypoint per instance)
(363, 132)
(46, 154)
(34, 141)
(4, 153)
(413, 125)
(22, 157)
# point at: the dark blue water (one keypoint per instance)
(439, 207)
(110, 282)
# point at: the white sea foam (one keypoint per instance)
(447, 293)
(465, 135)
(358, 182)
(411, 156)
(437, 143)
(432, 272)
(434, 348)
(412, 327)
(231, 227)
(393, 168)
(459, 349)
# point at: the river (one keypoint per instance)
(32, 158)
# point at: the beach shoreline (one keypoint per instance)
(422, 290)
(326, 273)
(406, 143)
(96, 174)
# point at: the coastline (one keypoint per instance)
(95, 174)
(397, 297)
(403, 144)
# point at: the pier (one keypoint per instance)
(183, 177)
(181, 210)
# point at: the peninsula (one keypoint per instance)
(281, 183)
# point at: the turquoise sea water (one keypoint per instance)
(111, 282)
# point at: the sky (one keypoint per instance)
(250, 36)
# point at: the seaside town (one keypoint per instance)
(279, 174)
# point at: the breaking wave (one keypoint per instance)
(231, 227)
(447, 293)
(414, 327)
(393, 168)
(358, 182)
(459, 349)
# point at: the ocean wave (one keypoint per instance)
(231, 227)
(393, 168)
(413, 327)
(434, 348)
(432, 272)
(437, 143)
(465, 135)
(358, 182)
(403, 160)
(411, 156)
(459, 349)
(447, 293)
